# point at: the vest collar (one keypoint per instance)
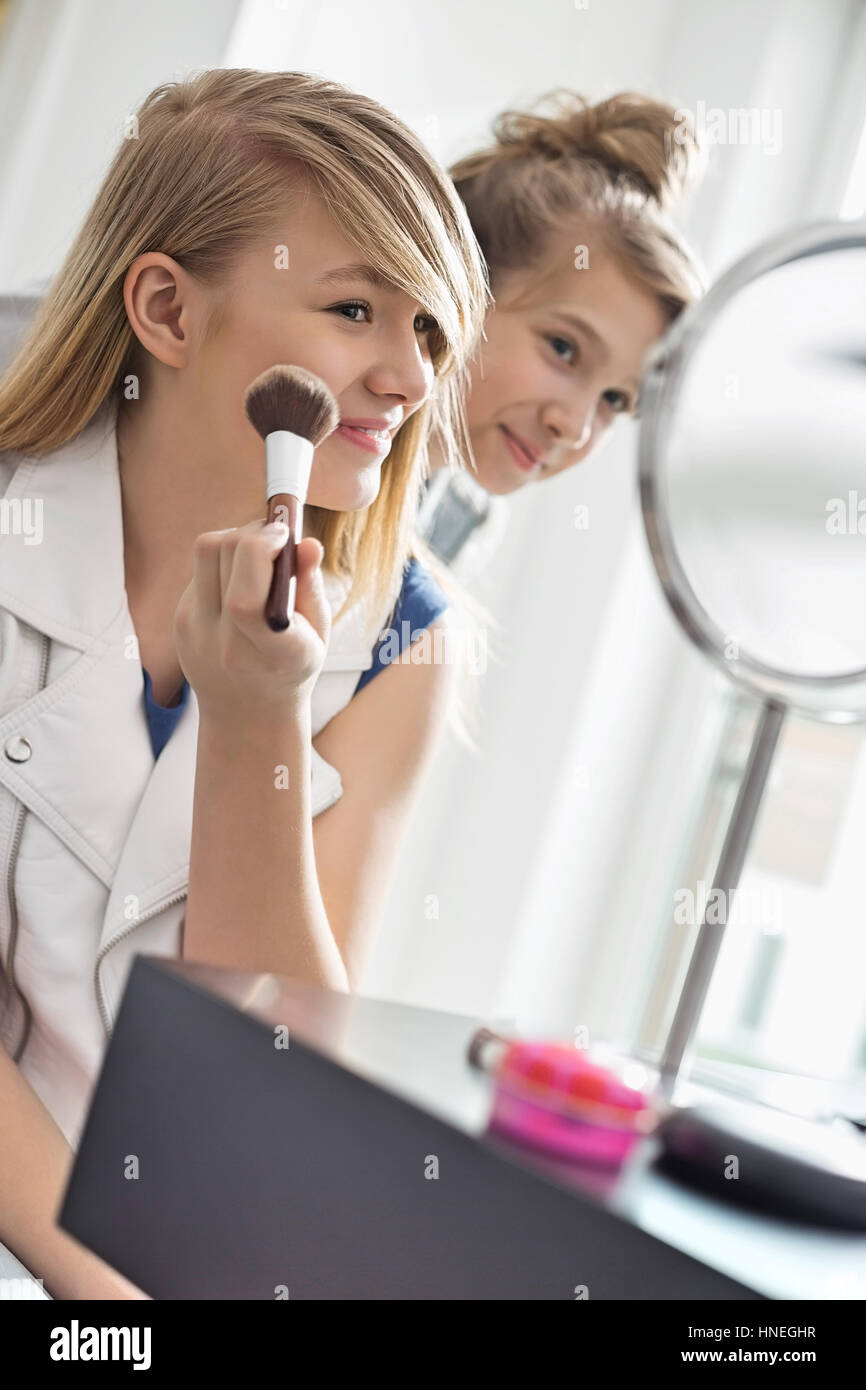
(71, 584)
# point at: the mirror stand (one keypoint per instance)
(725, 880)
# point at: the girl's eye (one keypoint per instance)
(352, 304)
(556, 343)
(424, 323)
(566, 351)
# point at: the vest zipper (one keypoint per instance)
(10, 880)
(109, 945)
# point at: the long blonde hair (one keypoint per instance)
(619, 166)
(198, 178)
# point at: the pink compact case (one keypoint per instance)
(554, 1097)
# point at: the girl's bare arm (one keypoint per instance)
(35, 1161)
(254, 901)
(383, 743)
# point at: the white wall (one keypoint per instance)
(445, 68)
(69, 75)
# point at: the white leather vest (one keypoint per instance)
(94, 834)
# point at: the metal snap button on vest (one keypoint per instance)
(17, 749)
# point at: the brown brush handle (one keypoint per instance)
(280, 606)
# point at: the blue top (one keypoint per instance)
(161, 719)
(419, 602)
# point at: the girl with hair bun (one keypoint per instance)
(572, 213)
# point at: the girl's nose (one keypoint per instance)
(403, 372)
(569, 427)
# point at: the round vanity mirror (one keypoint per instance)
(753, 489)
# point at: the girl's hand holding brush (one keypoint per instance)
(239, 668)
(252, 628)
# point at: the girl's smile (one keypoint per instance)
(375, 437)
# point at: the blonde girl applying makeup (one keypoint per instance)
(176, 778)
(571, 205)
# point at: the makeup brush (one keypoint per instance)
(293, 411)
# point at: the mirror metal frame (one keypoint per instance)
(839, 699)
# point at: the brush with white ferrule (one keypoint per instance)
(293, 411)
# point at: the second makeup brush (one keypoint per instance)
(293, 411)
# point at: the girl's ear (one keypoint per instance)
(163, 306)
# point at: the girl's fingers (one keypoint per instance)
(206, 574)
(310, 599)
(247, 567)
(226, 646)
(228, 547)
(232, 573)
(212, 558)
